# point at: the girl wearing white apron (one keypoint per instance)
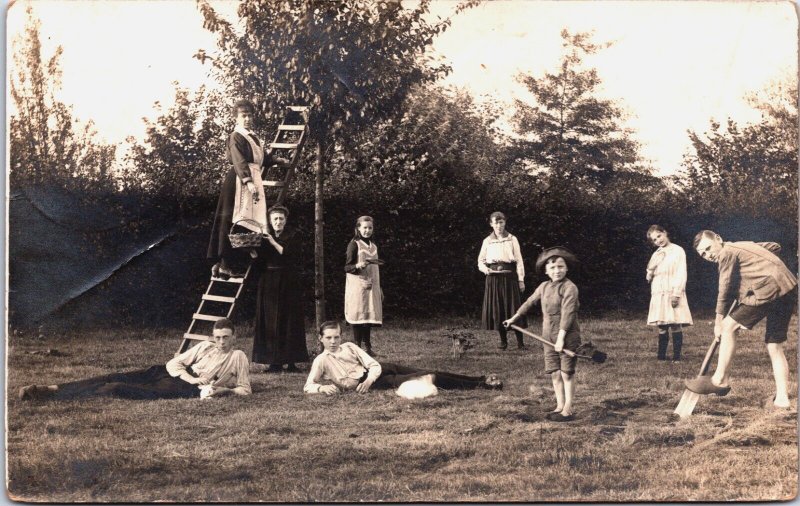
(363, 297)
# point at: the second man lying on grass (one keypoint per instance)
(343, 367)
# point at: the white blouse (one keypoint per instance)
(504, 249)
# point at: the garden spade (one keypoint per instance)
(596, 356)
(689, 399)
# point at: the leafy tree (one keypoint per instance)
(181, 161)
(46, 141)
(436, 130)
(570, 134)
(353, 61)
(748, 169)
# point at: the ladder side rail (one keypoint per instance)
(283, 127)
(292, 166)
(184, 344)
(239, 291)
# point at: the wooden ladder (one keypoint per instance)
(221, 294)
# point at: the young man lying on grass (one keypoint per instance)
(343, 367)
(763, 287)
(209, 369)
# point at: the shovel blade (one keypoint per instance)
(687, 403)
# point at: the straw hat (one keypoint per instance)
(557, 251)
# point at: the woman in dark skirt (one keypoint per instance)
(500, 260)
(280, 335)
(242, 194)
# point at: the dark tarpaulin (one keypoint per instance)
(62, 245)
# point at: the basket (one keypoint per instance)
(246, 239)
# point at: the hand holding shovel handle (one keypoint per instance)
(689, 399)
(597, 356)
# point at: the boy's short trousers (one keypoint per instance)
(778, 314)
(554, 361)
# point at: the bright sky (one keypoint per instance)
(673, 65)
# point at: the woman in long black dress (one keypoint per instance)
(242, 194)
(280, 335)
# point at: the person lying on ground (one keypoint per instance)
(209, 369)
(762, 286)
(559, 299)
(343, 367)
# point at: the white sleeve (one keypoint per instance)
(178, 364)
(372, 365)
(313, 384)
(678, 281)
(482, 258)
(518, 257)
(242, 374)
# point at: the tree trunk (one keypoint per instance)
(319, 257)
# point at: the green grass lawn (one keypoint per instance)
(279, 445)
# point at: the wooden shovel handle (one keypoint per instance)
(568, 353)
(712, 349)
(709, 354)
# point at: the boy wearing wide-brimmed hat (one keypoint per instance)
(559, 299)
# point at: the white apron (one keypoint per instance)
(244, 207)
(363, 297)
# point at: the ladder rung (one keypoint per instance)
(292, 127)
(197, 337)
(282, 145)
(272, 183)
(219, 298)
(298, 108)
(206, 317)
(229, 280)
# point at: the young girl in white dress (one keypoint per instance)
(669, 309)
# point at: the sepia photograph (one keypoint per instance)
(431, 251)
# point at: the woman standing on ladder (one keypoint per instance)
(242, 195)
(363, 297)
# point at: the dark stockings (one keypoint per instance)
(663, 341)
(504, 338)
(361, 335)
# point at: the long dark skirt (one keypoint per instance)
(280, 334)
(501, 299)
(151, 383)
(393, 375)
(219, 246)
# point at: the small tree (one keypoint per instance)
(353, 61)
(46, 144)
(181, 161)
(569, 133)
(741, 168)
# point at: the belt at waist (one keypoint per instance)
(274, 267)
(502, 266)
